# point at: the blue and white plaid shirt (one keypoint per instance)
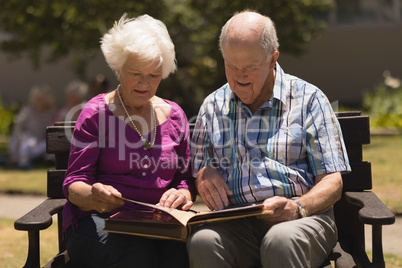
(278, 150)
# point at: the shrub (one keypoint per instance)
(384, 104)
(6, 118)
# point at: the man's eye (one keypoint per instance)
(250, 68)
(231, 67)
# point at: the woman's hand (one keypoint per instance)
(176, 198)
(99, 197)
(105, 198)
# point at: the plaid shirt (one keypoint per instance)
(278, 150)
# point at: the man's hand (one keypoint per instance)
(283, 209)
(324, 194)
(212, 188)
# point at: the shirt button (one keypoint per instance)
(146, 157)
(143, 173)
(145, 166)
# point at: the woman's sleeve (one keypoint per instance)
(183, 178)
(201, 146)
(84, 154)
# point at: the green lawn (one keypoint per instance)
(14, 245)
(385, 155)
(23, 182)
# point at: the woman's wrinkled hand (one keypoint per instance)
(105, 198)
(176, 198)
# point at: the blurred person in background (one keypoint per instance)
(75, 95)
(28, 137)
(98, 85)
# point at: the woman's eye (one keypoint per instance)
(134, 74)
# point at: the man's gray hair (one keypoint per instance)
(269, 39)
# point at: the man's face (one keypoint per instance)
(247, 71)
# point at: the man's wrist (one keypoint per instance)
(301, 210)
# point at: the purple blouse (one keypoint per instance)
(105, 149)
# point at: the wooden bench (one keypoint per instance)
(358, 206)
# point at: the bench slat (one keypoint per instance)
(55, 180)
(58, 139)
(355, 129)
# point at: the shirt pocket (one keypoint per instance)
(287, 145)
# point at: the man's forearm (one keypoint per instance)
(324, 194)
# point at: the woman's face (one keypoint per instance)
(139, 80)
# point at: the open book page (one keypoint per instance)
(189, 217)
(182, 216)
(169, 223)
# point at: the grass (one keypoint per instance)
(393, 261)
(23, 181)
(14, 245)
(384, 153)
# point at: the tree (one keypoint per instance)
(50, 30)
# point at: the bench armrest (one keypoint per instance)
(373, 211)
(40, 217)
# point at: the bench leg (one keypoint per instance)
(378, 256)
(33, 250)
(62, 247)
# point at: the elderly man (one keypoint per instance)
(269, 137)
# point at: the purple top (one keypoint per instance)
(105, 149)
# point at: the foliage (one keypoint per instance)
(49, 31)
(384, 104)
(7, 118)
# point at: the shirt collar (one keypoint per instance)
(280, 85)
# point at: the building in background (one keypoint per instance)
(363, 39)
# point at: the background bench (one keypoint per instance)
(357, 207)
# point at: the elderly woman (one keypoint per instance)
(128, 143)
(28, 137)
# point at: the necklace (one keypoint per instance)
(147, 144)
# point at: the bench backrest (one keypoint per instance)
(355, 129)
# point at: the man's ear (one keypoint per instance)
(274, 58)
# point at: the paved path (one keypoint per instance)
(14, 206)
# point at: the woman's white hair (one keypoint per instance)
(144, 37)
